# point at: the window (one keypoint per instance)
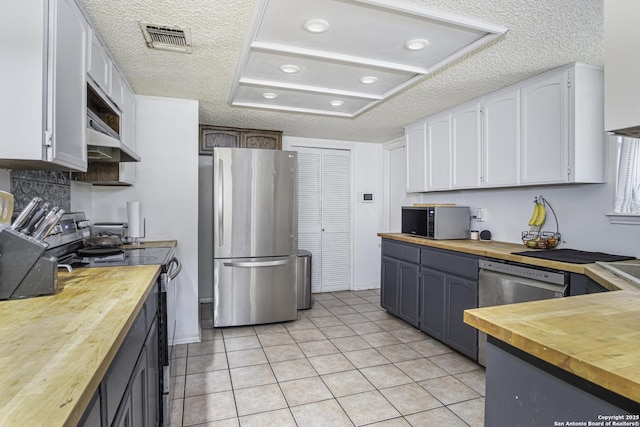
(627, 196)
(628, 177)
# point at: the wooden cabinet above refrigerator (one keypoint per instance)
(219, 136)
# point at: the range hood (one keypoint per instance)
(103, 144)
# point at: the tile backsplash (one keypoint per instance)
(52, 186)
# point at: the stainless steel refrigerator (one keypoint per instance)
(255, 236)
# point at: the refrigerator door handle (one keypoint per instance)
(251, 264)
(220, 203)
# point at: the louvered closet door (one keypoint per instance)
(324, 215)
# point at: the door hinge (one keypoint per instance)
(48, 144)
(481, 110)
(568, 81)
(48, 138)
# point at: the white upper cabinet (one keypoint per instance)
(466, 140)
(103, 72)
(501, 139)
(127, 169)
(416, 151)
(98, 62)
(439, 152)
(546, 130)
(117, 88)
(44, 90)
(563, 139)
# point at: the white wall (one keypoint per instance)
(580, 208)
(166, 185)
(366, 161)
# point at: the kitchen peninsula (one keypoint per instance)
(57, 348)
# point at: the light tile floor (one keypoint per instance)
(344, 362)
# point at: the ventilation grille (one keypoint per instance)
(164, 37)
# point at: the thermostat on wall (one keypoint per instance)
(366, 197)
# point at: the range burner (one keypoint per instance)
(117, 257)
(99, 252)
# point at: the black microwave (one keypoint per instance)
(436, 222)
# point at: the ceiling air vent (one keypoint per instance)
(165, 37)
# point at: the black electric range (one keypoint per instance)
(122, 256)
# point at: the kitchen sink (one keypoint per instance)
(629, 270)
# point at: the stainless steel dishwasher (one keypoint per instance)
(503, 283)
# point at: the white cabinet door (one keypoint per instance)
(99, 63)
(416, 152)
(439, 152)
(128, 133)
(545, 130)
(466, 138)
(43, 99)
(117, 87)
(67, 114)
(324, 215)
(501, 139)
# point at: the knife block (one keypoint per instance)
(25, 270)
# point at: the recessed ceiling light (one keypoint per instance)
(336, 103)
(367, 80)
(416, 44)
(289, 68)
(269, 95)
(316, 26)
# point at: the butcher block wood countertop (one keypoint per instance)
(502, 250)
(56, 348)
(596, 336)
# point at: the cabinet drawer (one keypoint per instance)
(403, 251)
(450, 262)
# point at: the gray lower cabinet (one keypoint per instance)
(448, 287)
(400, 280)
(430, 288)
(129, 393)
(432, 302)
(461, 294)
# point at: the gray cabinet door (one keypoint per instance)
(461, 294)
(389, 285)
(432, 302)
(408, 283)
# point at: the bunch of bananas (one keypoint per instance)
(539, 213)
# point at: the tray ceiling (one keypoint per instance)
(341, 58)
(542, 35)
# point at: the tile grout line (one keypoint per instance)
(304, 316)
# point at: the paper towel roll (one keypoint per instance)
(136, 228)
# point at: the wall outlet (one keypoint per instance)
(481, 214)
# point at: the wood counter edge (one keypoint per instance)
(82, 403)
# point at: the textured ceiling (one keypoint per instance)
(542, 35)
